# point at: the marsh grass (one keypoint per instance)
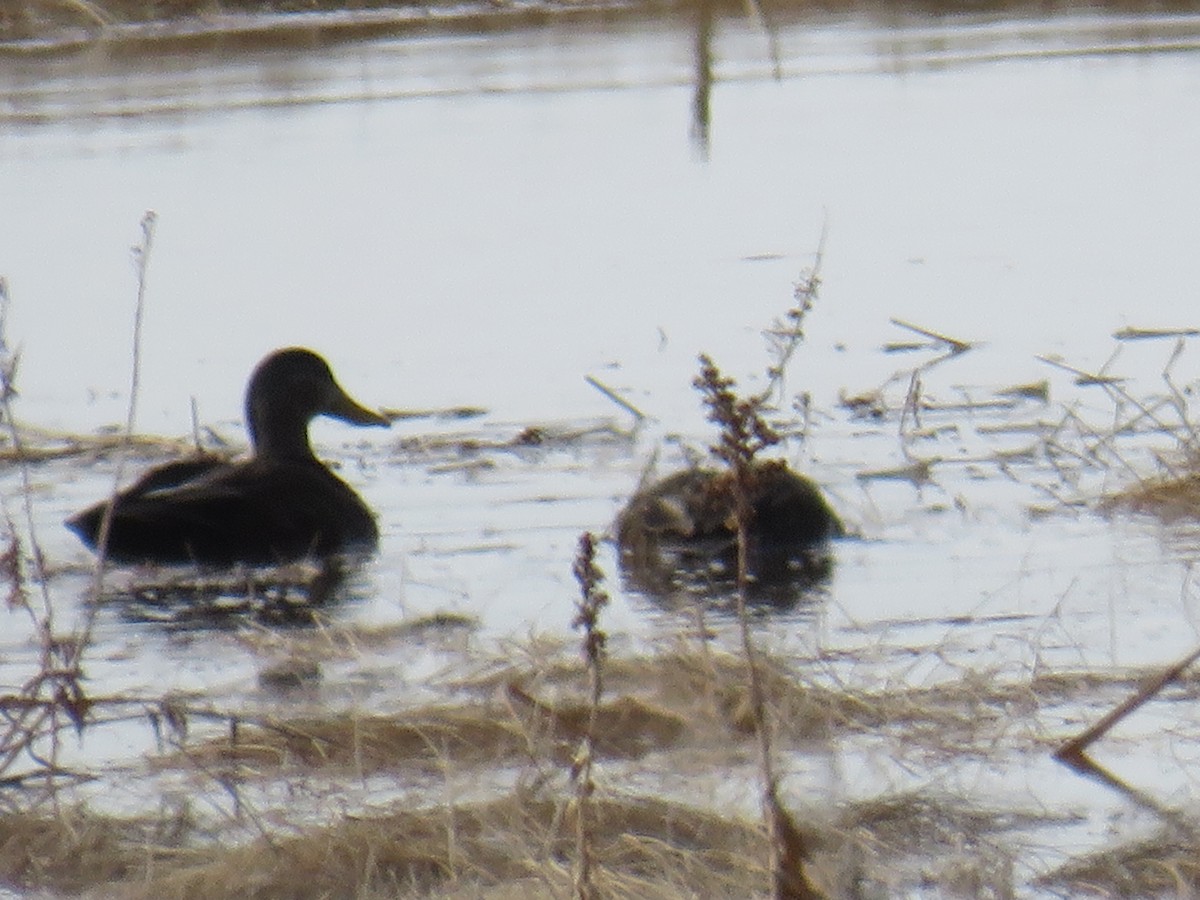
(69, 24)
(22, 19)
(513, 844)
(689, 715)
(684, 711)
(75, 849)
(53, 698)
(481, 849)
(1148, 446)
(1165, 864)
(743, 433)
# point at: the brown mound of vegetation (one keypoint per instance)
(433, 737)
(73, 850)
(1171, 498)
(1159, 866)
(516, 845)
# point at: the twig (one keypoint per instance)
(1142, 334)
(1180, 399)
(616, 398)
(1082, 377)
(954, 344)
(1072, 752)
(197, 446)
(141, 261)
(59, 683)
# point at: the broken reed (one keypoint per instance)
(592, 599)
(743, 433)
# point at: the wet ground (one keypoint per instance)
(466, 220)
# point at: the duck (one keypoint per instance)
(686, 524)
(279, 505)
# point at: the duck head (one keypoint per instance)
(287, 390)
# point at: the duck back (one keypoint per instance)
(213, 513)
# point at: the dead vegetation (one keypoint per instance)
(609, 777)
(518, 844)
(690, 716)
(1160, 865)
(1170, 497)
(73, 849)
(514, 844)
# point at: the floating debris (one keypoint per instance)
(450, 412)
(1142, 334)
(1035, 390)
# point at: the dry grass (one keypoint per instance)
(705, 689)
(515, 843)
(648, 847)
(521, 842)
(682, 712)
(1172, 498)
(74, 850)
(364, 744)
(1166, 864)
(243, 23)
(432, 738)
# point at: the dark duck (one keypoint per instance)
(280, 505)
(687, 523)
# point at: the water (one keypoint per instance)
(456, 219)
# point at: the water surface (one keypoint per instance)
(485, 219)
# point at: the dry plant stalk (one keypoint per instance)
(54, 697)
(35, 710)
(743, 434)
(592, 599)
(141, 260)
(785, 335)
(1073, 752)
(1132, 416)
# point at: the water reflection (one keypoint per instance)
(298, 594)
(702, 93)
(679, 582)
(124, 69)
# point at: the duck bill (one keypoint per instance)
(343, 407)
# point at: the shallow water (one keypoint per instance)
(485, 220)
